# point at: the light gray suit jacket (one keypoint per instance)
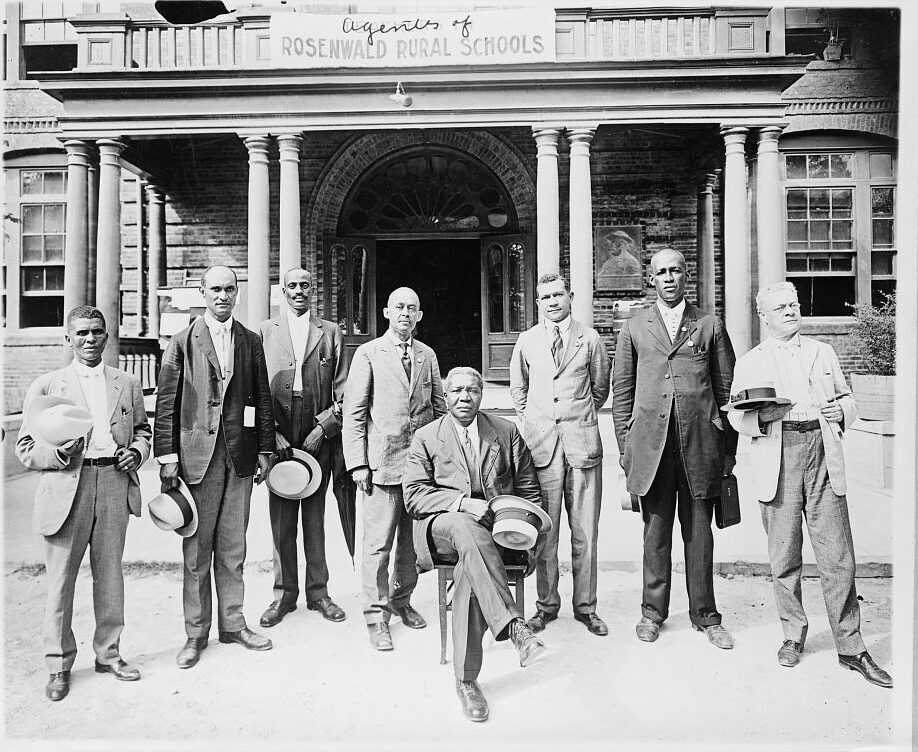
(560, 403)
(382, 410)
(59, 478)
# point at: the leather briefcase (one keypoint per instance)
(726, 508)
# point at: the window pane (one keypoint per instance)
(842, 263)
(883, 233)
(359, 271)
(824, 296)
(819, 234)
(495, 259)
(819, 202)
(54, 184)
(795, 165)
(819, 264)
(882, 200)
(54, 218)
(881, 263)
(517, 274)
(338, 283)
(33, 279)
(31, 182)
(881, 165)
(879, 288)
(31, 219)
(841, 202)
(796, 204)
(41, 311)
(32, 249)
(796, 263)
(54, 248)
(796, 232)
(818, 165)
(840, 165)
(841, 231)
(54, 278)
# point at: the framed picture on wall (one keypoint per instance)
(618, 258)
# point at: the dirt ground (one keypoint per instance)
(322, 686)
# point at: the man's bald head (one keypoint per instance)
(403, 293)
(218, 269)
(298, 272)
(403, 310)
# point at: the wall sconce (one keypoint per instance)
(400, 97)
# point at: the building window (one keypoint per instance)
(42, 219)
(839, 227)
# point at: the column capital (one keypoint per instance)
(289, 146)
(154, 193)
(709, 179)
(768, 138)
(581, 135)
(546, 138)
(110, 151)
(734, 140)
(78, 152)
(258, 148)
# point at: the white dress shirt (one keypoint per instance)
(221, 333)
(472, 430)
(791, 379)
(299, 334)
(400, 347)
(672, 317)
(95, 391)
(564, 327)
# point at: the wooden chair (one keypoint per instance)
(515, 563)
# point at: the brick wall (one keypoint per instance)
(24, 358)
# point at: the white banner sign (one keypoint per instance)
(302, 40)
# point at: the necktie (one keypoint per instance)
(557, 346)
(406, 360)
(224, 360)
(471, 459)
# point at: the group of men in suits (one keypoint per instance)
(230, 401)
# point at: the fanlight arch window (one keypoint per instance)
(428, 189)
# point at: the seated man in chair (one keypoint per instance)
(455, 464)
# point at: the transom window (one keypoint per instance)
(839, 227)
(428, 189)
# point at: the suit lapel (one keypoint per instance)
(489, 448)
(72, 389)
(449, 441)
(237, 347)
(574, 343)
(315, 334)
(810, 354)
(206, 344)
(419, 360)
(395, 359)
(114, 387)
(657, 328)
(687, 326)
(284, 337)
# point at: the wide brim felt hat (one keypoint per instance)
(296, 478)
(754, 398)
(517, 522)
(175, 510)
(57, 420)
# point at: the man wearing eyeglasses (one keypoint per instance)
(306, 373)
(796, 464)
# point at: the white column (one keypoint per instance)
(581, 224)
(548, 254)
(93, 223)
(76, 241)
(108, 246)
(156, 255)
(768, 208)
(706, 275)
(259, 290)
(290, 251)
(737, 298)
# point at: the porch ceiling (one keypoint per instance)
(743, 91)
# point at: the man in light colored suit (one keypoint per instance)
(796, 466)
(306, 373)
(87, 491)
(213, 421)
(455, 466)
(393, 389)
(559, 378)
(673, 370)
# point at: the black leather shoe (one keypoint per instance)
(717, 635)
(865, 666)
(190, 654)
(379, 635)
(789, 653)
(541, 618)
(647, 629)
(275, 613)
(248, 639)
(328, 608)
(529, 646)
(410, 617)
(122, 670)
(596, 625)
(474, 704)
(58, 686)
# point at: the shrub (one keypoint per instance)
(874, 336)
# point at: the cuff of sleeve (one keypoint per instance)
(167, 459)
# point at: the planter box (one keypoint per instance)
(869, 453)
(874, 395)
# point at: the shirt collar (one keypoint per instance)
(472, 428)
(295, 320)
(671, 313)
(780, 344)
(394, 338)
(562, 325)
(89, 371)
(212, 322)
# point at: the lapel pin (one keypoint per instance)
(691, 344)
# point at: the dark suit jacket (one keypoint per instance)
(190, 402)
(648, 372)
(324, 371)
(436, 473)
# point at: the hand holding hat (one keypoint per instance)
(72, 447)
(58, 421)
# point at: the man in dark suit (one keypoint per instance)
(214, 426)
(87, 490)
(672, 372)
(455, 465)
(393, 388)
(306, 373)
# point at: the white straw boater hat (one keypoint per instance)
(517, 522)
(176, 510)
(296, 478)
(57, 420)
(754, 398)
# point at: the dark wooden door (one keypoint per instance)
(350, 289)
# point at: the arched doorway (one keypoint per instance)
(436, 219)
